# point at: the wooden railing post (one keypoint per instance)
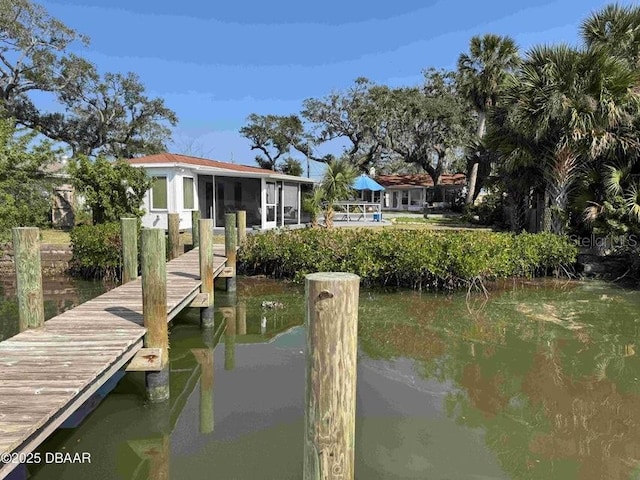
(330, 400)
(173, 220)
(242, 227)
(26, 250)
(154, 309)
(206, 269)
(230, 244)
(129, 237)
(195, 228)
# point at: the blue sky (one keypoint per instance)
(214, 63)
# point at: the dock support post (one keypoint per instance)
(26, 249)
(129, 236)
(242, 227)
(330, 397)
(174, 235)
(205, 229)
(195, 228)
(154, 309)
(230, 244)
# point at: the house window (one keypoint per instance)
(159, 193)
(187, 193)
(405, 197)
(416, 197)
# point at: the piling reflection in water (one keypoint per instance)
(204, 357)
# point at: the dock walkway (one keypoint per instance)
(48, 373)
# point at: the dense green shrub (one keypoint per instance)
(96, 250)
(490, 211)
(412, 258)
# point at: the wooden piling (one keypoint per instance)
(330, 400)
(26, 250)
(195, 228)
(205, 230)
(174, 235)
(230, 244)
(154, 309)
(242, 226)
(129, 237)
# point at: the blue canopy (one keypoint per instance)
(365, 182)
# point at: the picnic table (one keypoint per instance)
(359, 210)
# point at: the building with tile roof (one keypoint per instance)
(184, 183)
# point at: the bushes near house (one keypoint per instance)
(96, 251)
(409, 258)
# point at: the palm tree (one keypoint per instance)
(569, 109)
(337, 184)
(483, 71)
(312, 204)
(616, 30)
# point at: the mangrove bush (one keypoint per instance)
(409, 258)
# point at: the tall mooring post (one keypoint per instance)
(195, 228)
(26, 250)
(205, 229)
(242, 226)
(154, 309)
(230, 244)
(173, 220)
(330, 400)
(129, 238)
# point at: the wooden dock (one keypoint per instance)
(48, 373)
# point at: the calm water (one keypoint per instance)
(61, 292)
(538, 382)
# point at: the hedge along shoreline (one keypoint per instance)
(419, 259)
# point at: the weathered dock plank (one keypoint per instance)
(46, 374)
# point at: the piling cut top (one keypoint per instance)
(332, 277)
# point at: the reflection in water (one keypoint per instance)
(60, 293)
(538, 382)
(204, 357)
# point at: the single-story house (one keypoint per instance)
(413, 191)
(181, 184)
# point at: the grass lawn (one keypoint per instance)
(435, 222)
(61, 237)
(54, 236)
(185, 239)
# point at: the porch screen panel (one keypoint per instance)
(159, 193)
(236, 193)
(187, 193)
(305, 190)
(290, 202)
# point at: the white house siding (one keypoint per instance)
(415, 199)
(157, 218)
